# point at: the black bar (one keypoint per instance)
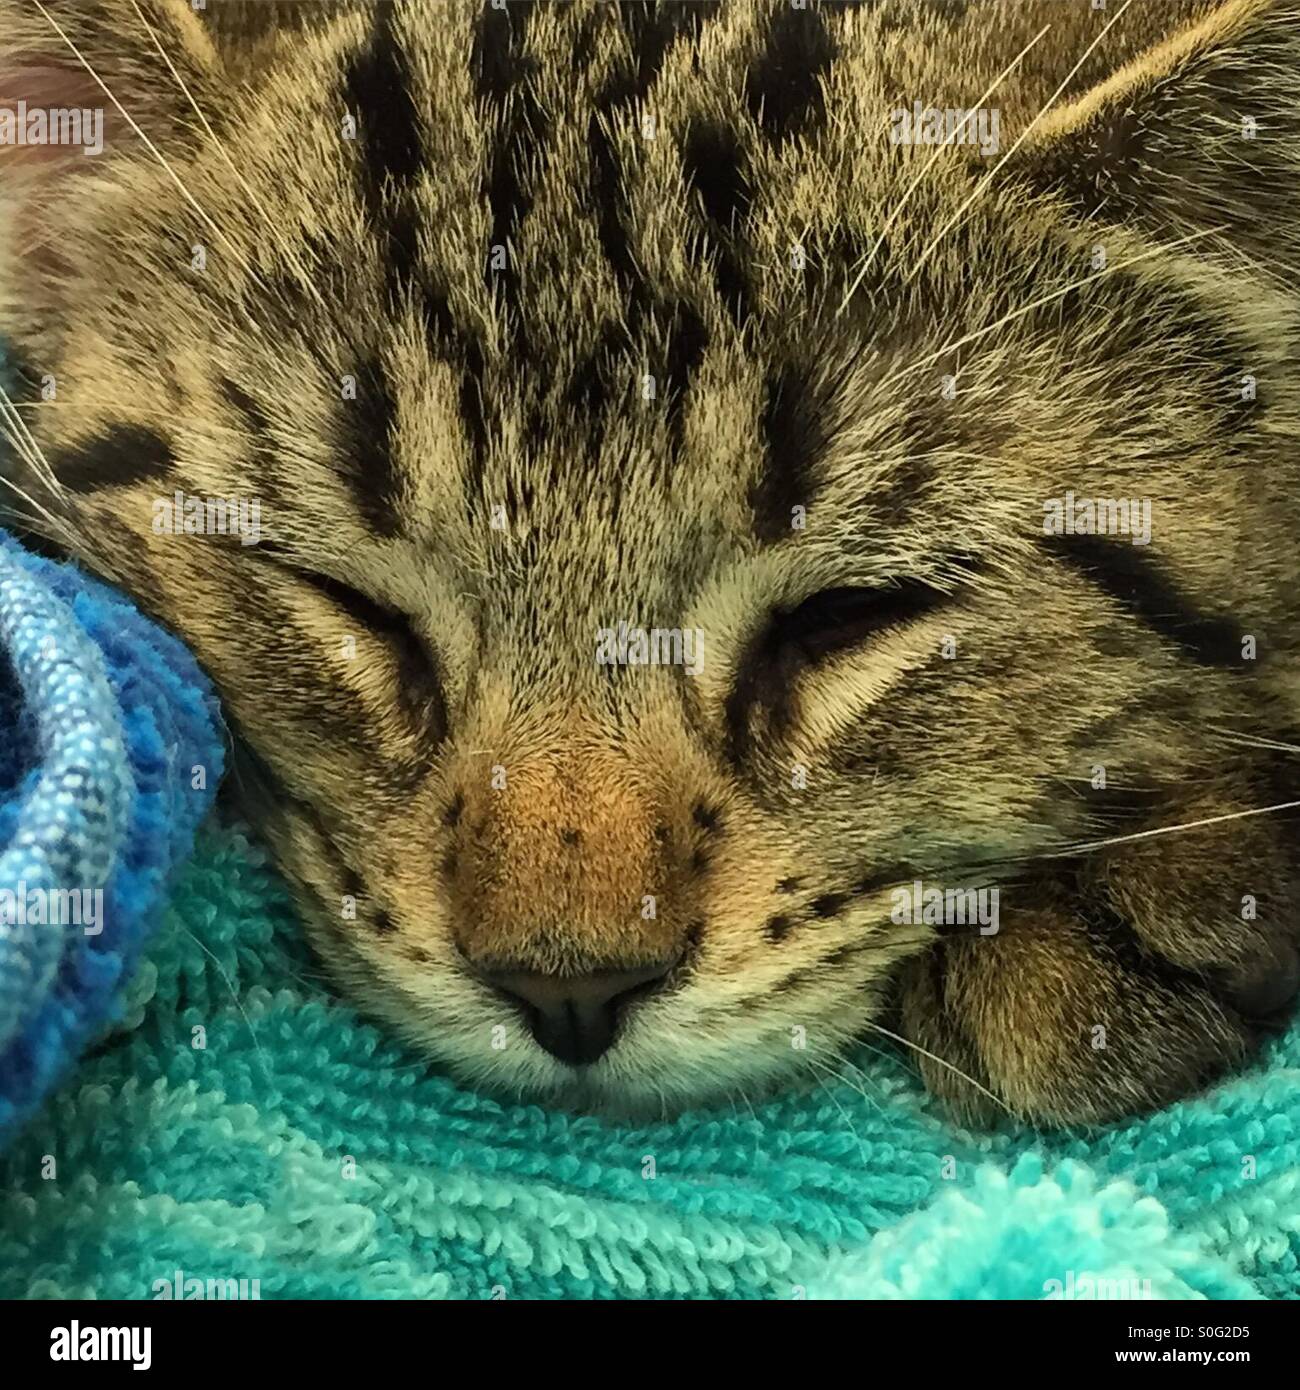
(233, 1337)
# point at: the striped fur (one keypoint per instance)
(523, 320)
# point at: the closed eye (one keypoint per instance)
(837, 619)
(793, 639)
(419, 686)
(378, 618)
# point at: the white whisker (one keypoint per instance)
(149, 144)
(1253, 741)
(285, 246)
(27, 451)
(32, 452)
(835, 1101)
(1047, 299)
(238, 1003)
(943, 1062)
(947, 140)
(1092, 845)
(993, 172)
(837, 1072)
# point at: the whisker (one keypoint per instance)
(1029, 308)
(1091, 846)
(61, 533)
(27, 451)
(149, 145)
(285, 246)
(943, 1062)
(34, 456)
(890, 1059)
(1252, 740)
(835, 1101)
(252, 1032)
(947, 140)
(841, 1079)
(993, 172)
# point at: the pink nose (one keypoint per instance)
(575, 1017)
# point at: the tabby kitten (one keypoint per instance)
(527, 326)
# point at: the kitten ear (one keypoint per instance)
(1200, 132)
(57, 123)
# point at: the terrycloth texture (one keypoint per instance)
(102, 720)
(250, 1127)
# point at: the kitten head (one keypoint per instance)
(659, 452)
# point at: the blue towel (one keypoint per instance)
(110, 755)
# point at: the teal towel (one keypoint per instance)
(246, 1125)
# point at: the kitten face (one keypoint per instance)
(517, 378)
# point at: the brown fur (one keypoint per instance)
(435, 775)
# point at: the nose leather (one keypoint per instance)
(576, 1017)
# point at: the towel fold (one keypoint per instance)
(110, 754)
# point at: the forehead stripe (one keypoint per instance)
(377, 90)
(794, 437)
(783, 88)
(368, 454)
